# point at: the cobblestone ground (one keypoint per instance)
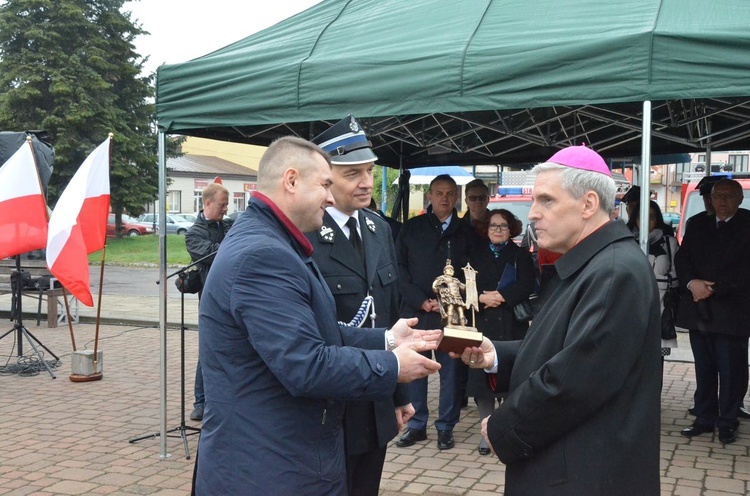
(58, 437)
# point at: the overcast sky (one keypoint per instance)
(182, 30)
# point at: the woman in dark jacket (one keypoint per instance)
(497, 253)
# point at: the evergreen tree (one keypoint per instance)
(69, 67)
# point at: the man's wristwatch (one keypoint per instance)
(390, 340)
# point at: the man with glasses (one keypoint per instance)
(477, 199)
(712, 264)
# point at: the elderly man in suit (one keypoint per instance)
(356, 256)
(712, 264)
(423, 246)
(582, 411)
(277, 366)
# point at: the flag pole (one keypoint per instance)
(70, 320)
(99, 304)
(101, 276)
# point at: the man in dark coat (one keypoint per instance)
(477, 197)
(277, 366)
(423, 246)
(201, 240)
(712, 264)
(582, 412)
(355, 263)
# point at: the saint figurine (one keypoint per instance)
(448, 290)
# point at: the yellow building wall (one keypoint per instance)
(239, 153)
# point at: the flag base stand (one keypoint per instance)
(84, 368)
(85, 378)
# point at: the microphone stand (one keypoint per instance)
(17, 316)
(183, 430)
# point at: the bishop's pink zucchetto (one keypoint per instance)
(581, 157)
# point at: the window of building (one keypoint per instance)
(239, 202)
(197, 200)
(738, 162)
(174, 201)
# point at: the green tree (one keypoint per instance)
(69, 67)
(391, 189)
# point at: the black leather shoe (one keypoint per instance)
(484, 451)
(411, 436)
(197, 414)
(743, 413)
(445, 440)
(727, 435)
(691, 411)
(695, 430)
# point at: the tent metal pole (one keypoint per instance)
(161, 139)
(645, 177)
(384, 190)
(708, 148)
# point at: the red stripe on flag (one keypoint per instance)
(23, 225)
(93, 222)
(71, 267)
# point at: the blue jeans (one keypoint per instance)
(452, 386)
(200, 397)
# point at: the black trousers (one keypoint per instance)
(363, 472)
(721, 377)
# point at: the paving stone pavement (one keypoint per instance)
(58, 437)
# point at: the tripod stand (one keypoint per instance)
(16, 284)
(183, 430)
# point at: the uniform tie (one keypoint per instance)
(720, 224)
(354, 238)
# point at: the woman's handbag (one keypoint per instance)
(523, 311)
(670, 301)
(189, 281)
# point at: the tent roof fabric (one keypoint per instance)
(383, 58)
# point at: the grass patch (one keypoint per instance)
(142, 250)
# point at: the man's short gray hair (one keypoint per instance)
(577, 182)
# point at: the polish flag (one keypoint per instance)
(23, 212)
(78, 225)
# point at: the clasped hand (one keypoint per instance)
(701, 289)
(491, 299)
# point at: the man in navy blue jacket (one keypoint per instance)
(277, 366)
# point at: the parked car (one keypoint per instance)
(187, 217)
(130, 227)
(175, 224)
(672, 218)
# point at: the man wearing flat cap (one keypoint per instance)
(582, 412)
(355, 253)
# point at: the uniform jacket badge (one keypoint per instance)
(326, 234)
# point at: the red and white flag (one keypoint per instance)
(78, 225)
(23, 211)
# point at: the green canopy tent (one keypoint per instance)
(437, 82)
(479, 81)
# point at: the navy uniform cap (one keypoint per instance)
(706, 183)
(346, 143)
(632, 195)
